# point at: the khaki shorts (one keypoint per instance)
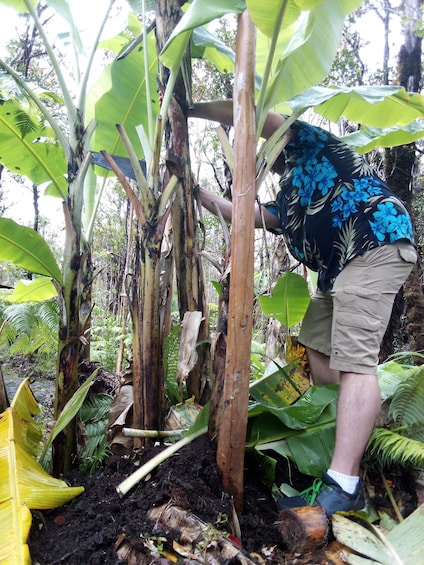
(348, 323)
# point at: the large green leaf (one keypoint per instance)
(63, 9)
(312, 450)
(307, 41)
(288, 301)
(37, 290)
(19, 5)
(403, 545)
(306, 47)
(367, 139)
(407, 538)
(119, 97)
(69, 412)
(299, 416)
(275, 387)
(205, 45)
(374, 106)
(201, 12)
(305, 431)
(263, 15)
(25, 247)
(29, 148)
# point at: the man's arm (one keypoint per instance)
(222, 111)
(211, 201)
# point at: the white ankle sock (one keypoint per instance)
(347, 482)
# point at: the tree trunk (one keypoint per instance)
(188, 269)
(399, 169)
(4, 399)
(232, 432)
(148, 374)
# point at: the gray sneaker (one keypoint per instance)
(328, 494)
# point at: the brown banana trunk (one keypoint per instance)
(232, 432)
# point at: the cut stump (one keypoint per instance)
(303, 529)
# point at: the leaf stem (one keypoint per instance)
(143, 471)
(72, 113)
(260, 114)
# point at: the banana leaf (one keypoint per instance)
(304, 432)
(403, 545)
(25, 247)
(289, 300)
(24, 485)
(38, 290)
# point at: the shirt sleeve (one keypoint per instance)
(273, 208)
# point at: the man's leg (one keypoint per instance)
(357, 409)
(320, 368)
(362, 301)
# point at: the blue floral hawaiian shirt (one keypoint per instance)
(331, 205)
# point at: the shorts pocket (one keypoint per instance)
(356, 338)
(359, 320)
(358, 299)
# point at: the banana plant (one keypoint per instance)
(61, 156)
(296, 44)
(73, 283)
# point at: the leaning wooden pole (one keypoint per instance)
(232, 432)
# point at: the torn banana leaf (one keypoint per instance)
(24, 484)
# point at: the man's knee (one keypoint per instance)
(320, 368)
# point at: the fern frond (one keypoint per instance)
(7, 333)
(48, 313)
(21, 316)
(96, 408)
(392, 447)
(95, 415)
(390, 375)
(25, 123)
(171, 350)
(407, 404)
(35, 326)
(96, 432)
(21, 345)
(414, 431)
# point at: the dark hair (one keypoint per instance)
(279, 165)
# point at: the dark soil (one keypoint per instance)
(90, 527)
(86, 530)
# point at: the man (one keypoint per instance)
(339, 219)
